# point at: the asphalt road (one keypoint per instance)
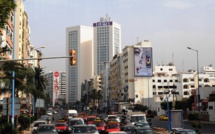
(206, 128)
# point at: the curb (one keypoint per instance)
(202, 122)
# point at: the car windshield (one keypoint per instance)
(75, 122)
(60, 124)
(91, 119)
(113, 126)
(140, 124)
(128, 128)
(187, 132)
(46, 129)
(138, 118)
(99, 124)
(145, 132)
(82, 130)
(38, 123)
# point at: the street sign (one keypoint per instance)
(40, 103)
(7, 106)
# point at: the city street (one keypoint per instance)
(206, 128)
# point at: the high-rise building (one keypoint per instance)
(56, 86)
(79, 38)
(107, 42)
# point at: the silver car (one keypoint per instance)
(46, 129)
(84, 129)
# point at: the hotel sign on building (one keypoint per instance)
(98, 24)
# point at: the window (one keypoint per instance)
(185, 86)
(159, 80)
(185, 80)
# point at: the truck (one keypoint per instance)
(72, 113)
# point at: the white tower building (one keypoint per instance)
(79, 38)
(107, 42)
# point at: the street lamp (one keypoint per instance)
(198, 95)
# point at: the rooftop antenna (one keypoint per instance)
(172, 58)
(182, 65)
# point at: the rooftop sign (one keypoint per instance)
(102, 24)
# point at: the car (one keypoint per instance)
(127, 128)
(100, 124)
(142, 124)
(84, 128)
(112, 117)
(46, 129)
(138, 118)
(61, 127)
(163, 117)
(112, 126)
(49, 113)
(54, 112)
(183, 131)
(75, 121)
(118, 132)
(36, 124)
(142, 130)
(90, 119)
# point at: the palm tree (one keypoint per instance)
(40, 82)
(22, 74)
(96, 95)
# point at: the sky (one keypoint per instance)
(170, 25)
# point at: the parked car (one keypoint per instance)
(183, 131)
(36, 124)
(163, 117)
(46, 129)
(49, 113)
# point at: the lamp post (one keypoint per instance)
(198, 95)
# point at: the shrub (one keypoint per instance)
(7, 128)
(24, 122)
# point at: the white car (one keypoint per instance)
(36, 124)
(49, 113)
(112, 117)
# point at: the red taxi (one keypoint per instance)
(100, 124)
(61, 126)
(90, 119)
(112, 126)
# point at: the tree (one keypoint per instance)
(40, 82)
(6, 7)
(96, 95)
(23, 78)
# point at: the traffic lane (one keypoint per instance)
(206, 128)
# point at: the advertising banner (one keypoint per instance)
(143, 62)
(55, 86)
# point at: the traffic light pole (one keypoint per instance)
(36, 58)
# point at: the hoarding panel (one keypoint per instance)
(143, 62)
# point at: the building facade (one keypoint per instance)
(107, 42)
(56, 87)
(79, 38)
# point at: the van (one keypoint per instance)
(72, 113)
(138, 118)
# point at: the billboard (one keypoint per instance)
(55, 86)
(143, 62)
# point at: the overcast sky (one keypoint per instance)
(170, 25)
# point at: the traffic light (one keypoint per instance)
(73, 57)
